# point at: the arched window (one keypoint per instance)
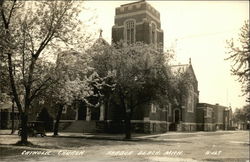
(190, 104)
(130, 31)
(153, 33)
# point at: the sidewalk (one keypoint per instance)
(101, 136)
(135, 136)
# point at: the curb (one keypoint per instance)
(101, 138)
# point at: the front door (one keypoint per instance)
(176, 116)
(4, 119)
(81, 111)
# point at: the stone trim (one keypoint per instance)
(137, 13)
(219, 123)
(150, 121)
(184, 123)
(143, 121)
(137, 23)
(65, 121)
(205, 123)
(122, 26)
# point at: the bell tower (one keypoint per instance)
(137, 21)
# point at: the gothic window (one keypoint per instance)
(153, 33)
(130, 31)
(153, 108)
(208, 113)
(176, 116)
(169, 109)
(65, 107)
(190, 101)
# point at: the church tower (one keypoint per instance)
(137, 21)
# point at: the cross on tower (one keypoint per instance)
(100, 36)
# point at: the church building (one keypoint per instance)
(140, 22)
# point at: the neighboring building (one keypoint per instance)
(6, 112)
(219, 116)
(213, 117)
(205, 117)
(228, 119)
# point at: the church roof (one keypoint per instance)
(179, 68)
(183, 68)
(100, 41)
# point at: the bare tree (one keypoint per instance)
(239, 54)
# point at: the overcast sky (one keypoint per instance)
(197, 30)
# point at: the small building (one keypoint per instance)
(213, 117)
(205, 117)
(8, 112)
(219, 118)
(228, 119)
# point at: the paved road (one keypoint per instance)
(169, 147)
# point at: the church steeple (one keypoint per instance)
(137, 21)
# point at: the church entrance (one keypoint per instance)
(81, 111)
(176, 120)
(176, 116)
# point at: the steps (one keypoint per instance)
(81, 126)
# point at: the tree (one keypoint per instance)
(31, 32)
(242, 115)
(45, 118)
(182, 83)
(140, 75)
(239, 54)
(75, 80)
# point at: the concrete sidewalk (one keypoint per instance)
(135, 136)
(100, 136)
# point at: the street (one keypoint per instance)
(169, 147)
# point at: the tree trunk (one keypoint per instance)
(128, 112)
(24, 132)
(12, 121)
(127, 126)
(58, 117)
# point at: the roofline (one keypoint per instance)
(133, 3)
(213, 105)
(179, 65)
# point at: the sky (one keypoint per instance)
(196, 30)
